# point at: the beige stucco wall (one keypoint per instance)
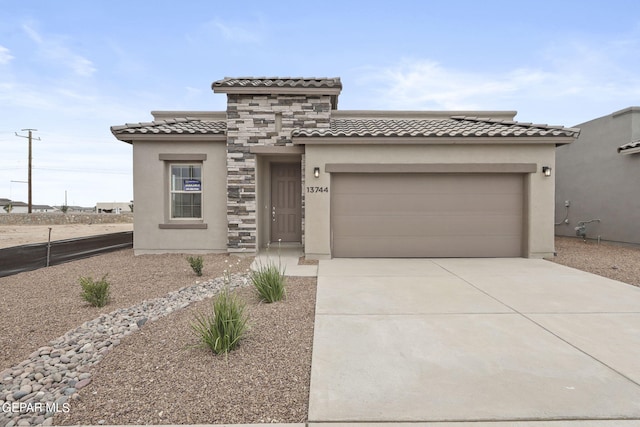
(539, 190)
(151, 193)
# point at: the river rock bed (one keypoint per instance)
(34, 390)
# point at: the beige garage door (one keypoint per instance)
(426, 215)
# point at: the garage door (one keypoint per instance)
(426, 215)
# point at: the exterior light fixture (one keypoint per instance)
(546, 170)
(316, 172)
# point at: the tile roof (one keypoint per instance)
(455, 126)
(629, 146)
(282, 82)
(173, 126)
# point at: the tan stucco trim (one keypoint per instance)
(469, 140)
(624, 111)
(182, 157)
(173, 226)
(272, 149)
(202, 115)
(430, 167)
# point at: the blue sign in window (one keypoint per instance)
(192, 185)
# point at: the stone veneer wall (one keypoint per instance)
(261, 120)
(58, 218)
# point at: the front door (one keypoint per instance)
(286, 206)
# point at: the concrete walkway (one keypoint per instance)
(482, 342)
(286, 258)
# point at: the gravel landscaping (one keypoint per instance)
(150, 371)
(38, 306)
(605, 259)
(157, 377)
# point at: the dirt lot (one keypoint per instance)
(15, 235)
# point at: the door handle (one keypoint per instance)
(273, 214)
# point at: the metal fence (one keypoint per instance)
(18, 259)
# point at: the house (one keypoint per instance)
(114, 207)
(76, 209)
(284, 165)
(43, 209)
(597, 191)
(13, 206)
(9, 206)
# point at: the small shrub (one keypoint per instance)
(196, 264)
(221, 329)
(96, 293)
(269, 282)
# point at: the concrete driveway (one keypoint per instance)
(482, 340)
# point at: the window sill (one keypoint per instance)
(178, 226)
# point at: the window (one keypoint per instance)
(186, 191)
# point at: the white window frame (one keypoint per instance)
(172, 191)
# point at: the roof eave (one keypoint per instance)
(200, 115)
(130, 138)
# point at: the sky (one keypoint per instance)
(73, 68)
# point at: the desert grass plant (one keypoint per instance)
(196, 264)
(269, 280)
(96, 293)
(221, 329)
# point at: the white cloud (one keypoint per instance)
(5, 55)
(32, 33)
(192, 92)
(81, 66)
(237, 32)
(425, 84)
(566, 84)
(54, 48)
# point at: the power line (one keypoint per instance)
(30, 137)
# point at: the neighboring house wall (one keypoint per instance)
(155, 232)
(538, 235)
(599, 182)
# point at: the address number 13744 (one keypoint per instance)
(317, 189)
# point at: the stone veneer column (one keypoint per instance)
(261, 120)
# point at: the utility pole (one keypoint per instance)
(30, 137)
